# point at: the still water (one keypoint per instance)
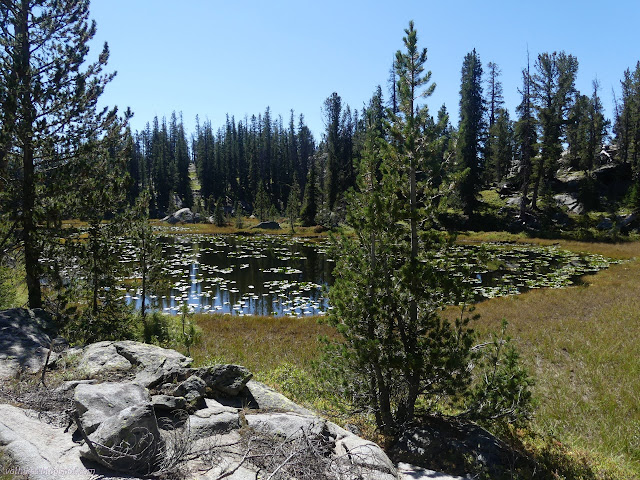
(275, 275)
(258, 275)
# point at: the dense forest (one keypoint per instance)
(555, 127)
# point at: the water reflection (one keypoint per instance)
(259, 275)
(275, 275)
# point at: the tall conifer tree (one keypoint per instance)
(49, 109)
(471, 131)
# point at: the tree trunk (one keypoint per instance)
(144, 268)
(536, 184)
(25, 132)
(31, 252)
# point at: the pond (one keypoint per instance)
(275, 275)
(258, 275)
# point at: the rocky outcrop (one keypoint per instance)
(167, 418)
(165, 415)
(96, 402)
(452, 446)
(128, 441)
(570, 202)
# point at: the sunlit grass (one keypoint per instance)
(491, 198)
(260, 343)
(248, 228)
(582, 345)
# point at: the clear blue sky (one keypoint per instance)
(211, 57)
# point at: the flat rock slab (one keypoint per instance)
(265, 398)
(102, 357)
(289, 425)
(156, 365)
(365, 454)
(208, 422)
(150, 356)
(43, 451)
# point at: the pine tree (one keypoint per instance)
(627, 127)
(148, 254)
(501, 145)
(577, 132)
(183, 180)
(494, 103)
(471, 132)
(332, 111)
(310, 199)
(100, 198)
(218, 214)
(49, 105)
(293, 205)
(262, 204)
(389, 286)
(554, 91)
(525, 132)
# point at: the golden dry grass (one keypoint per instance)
(582, 344)
(619, 250)
(247, 229)
(260, 343)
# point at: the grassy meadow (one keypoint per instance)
(581, 343)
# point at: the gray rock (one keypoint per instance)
(289, 425)
(448, 444)
(570, 202)
(25, 337)
(156, 365)
(407, 471)
(629, 222)
(268, 225)
(514, 201)
(126, 442)
(605, 224)
(153, 377)
(96, 403)
(168, 403)
(226, 379)
(184, 215)
(150, 356)
(72, 384)
(102, 357)
(214, 406)
(192, 384)
(43, 450)
(364, 453)
(212, 421)
(266, 398)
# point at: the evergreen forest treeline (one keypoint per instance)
(256, 162)
(61, 157)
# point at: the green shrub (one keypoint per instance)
(113, 321)
(156, 329)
